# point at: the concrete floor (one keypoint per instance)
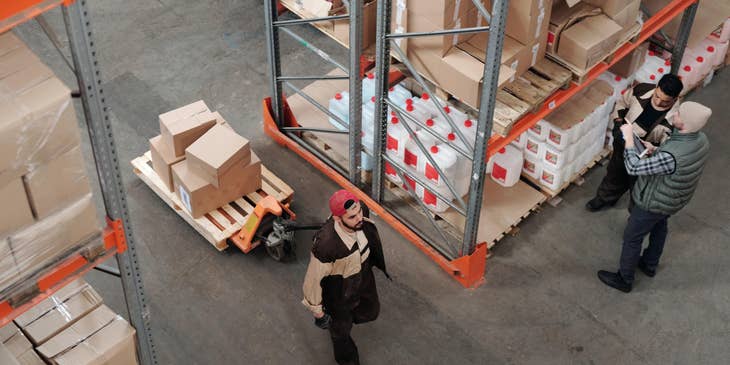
(541, 304)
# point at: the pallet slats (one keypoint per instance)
(217, 225)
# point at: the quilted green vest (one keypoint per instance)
(667, 194)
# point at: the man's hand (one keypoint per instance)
(650, 148)
(322, 320)
(627, 131)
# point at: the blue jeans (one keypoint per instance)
(641, 223)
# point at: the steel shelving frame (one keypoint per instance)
(465, 263)
(117, 236)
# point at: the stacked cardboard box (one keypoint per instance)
(71, 327)
(47, 208)
(583, 33)
(203, 160)
(456, 62)
(338, 29)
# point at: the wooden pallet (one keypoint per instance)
(575, 179)
(495, 221)
(218, 225)
(516, 99)
(579, 74)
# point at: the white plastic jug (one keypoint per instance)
(556, 158)
(520, 141)
(618, 83)
(368, 87)
(532, 167)
(426, 103)
(399, 94)
(719, 48)
(413, 155)
(396, 138)
(339, 105)
(725, 32)
(427, 194)
(539, 130)
(552, 178)
(560, 138)
(446, 159)
(417, 113)
(534, 147)
(438, 126)
(688, 75)
(507, 166)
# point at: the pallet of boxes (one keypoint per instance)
(47, 216)
(72, 326)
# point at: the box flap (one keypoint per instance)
(9, 329)
(6, 358)
(111, 345)
(219, 147)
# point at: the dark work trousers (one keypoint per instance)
(366, 310)
(617, 181)
(641, 223)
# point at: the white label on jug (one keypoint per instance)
(185, 198)
(551, 157)
(532, 146)
(529, 166)
(548, 178)
(555, 137)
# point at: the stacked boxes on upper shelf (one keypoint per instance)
(584, 33)
(73, 326)
(203, 160)
(47, 209)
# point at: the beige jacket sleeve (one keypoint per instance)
(623, 102)
(316, 271)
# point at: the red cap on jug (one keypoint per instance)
(371, 76)
(434, 149)
(451, 137)
(430, 123)
(617, 78)
(394, 120)
(409, 101)
(447, 109)
(425, 96)
(710, 49)
(652, 77)
(372, 99)
(700, 59)
(338, 96)
(651, 53)
(687, 68)
(667, 63)
(468, 123)
(502, 150)
(409, 107)
(661, 69)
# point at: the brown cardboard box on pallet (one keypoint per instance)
(58, 312)
(562, 17)
(15, 212)
(38, 125)
(9, 42)
(527, 20)
(199, 197)
(100, 337)
(216, 152)
(6, 358)
(15, 343)
(588, 41)
(183, 112)
(162, 160)
(341, 28)
(61, 233)
(628, 65)
(57, 183)
(181, 133)
(8, 269)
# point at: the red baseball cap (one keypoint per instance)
(338, 200)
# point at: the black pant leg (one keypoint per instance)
(369, 306)
(640, 224)
(344, 347)
(617, 181)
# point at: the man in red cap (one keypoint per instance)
(339, 287)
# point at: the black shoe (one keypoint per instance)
(614, 280)
(597, 204)
(646, 270)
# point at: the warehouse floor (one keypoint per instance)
(541, 303)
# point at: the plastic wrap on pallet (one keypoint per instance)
(39, 122)
(37, 247)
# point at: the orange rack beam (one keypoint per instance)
(67, 271)
(14, 12)
(651, 26)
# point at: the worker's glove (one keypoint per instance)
(324, 322)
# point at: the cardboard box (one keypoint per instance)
(57, 183)
(183, 132)
(8, 273)
(9, 329)
(9, 42)
(526, 19)
(24, 79)
(437, 44)
(55, 236)
(199, 197)
(16, 60)
(15, 212)
(515, 55)
(341, 28)
(58, 312)
(183, 112)
(440, 13)
(162, 160)
(100, 337)
(562, 17)
(215, 152)
(710, 14)
(628, 65)
(625, 14)
(17, 344)
(6, 358)
(588, 41)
